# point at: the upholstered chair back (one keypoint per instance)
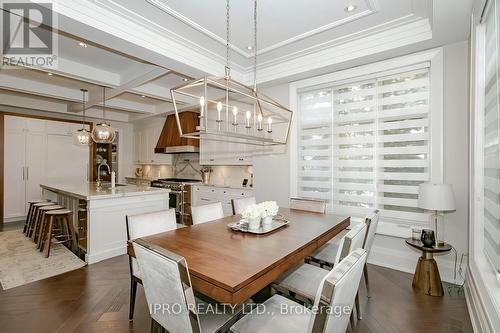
(351, 241)
(372, 223)
(142, 225)
(167, 286)
(239, 205)
(309, 205)
(207, 213)
(336, 295)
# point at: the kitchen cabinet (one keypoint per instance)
(224, 153)
(145, 138)
(205, 194)
(36, 151)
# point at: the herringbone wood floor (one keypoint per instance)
(95, 299)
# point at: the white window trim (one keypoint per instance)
(487, 281)
(435, 57)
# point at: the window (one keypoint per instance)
(365, 144)
(491, 145)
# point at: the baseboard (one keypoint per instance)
(406, 261)
(103, 255)
(14, 219)
(477, 312)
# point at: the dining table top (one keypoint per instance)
(231, 266)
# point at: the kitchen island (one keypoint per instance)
(99, 213)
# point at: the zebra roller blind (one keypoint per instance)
(366, 144)
(491, 144)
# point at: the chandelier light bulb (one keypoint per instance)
(219, 109)
(269, 125)
(235, 115)
(259, 122)
(248, 115)
(202, 105)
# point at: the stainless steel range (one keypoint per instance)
(180, 196)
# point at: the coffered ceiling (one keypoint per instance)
(140, 49)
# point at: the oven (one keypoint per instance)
(179, 197)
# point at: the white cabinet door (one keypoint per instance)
(36, 157)
(14, 172)
(137, 146)
(155, 135)
(224, 153)
(144, 152)
(207, 152)
(66, 161)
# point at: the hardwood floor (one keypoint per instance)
(95, 299)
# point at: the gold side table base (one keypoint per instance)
(426, 279)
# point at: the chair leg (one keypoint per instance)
(358, 311)
(367, 282)
(28, 217)
(48, 237)
(133, 292)
(351, 320)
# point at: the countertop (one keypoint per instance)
(222, 186)
(90, 191)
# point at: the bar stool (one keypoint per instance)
(40, 222)
(30, 209)
(63, 217)
(33, 215)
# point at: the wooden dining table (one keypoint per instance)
(231, 266)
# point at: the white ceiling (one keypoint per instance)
(127, 41)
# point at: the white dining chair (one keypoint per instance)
(170, 296)
(239, 205)
(326, 255)
(207, 213)
(335, 291)
(142, 225)
(372, 222)
(309, 205)
(302, 281)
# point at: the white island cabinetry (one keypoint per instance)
(99, 213)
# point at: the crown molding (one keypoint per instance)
(127, 25)
(372, 7)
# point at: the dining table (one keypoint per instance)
(231, 266)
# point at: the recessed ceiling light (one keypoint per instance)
(143, 96)
(350, 8)
(82, 44)
(50, 74)
(249, 47)
(185, 79)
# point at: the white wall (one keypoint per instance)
(272, 172)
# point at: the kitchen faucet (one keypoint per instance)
(99, 182)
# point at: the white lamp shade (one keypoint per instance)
(438, 197)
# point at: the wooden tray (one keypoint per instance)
(242, 226)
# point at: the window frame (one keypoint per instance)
(395, 65)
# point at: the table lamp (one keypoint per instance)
(437, 198)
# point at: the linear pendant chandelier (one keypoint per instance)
(231, 111)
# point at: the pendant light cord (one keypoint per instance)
(104, 104)
(228, 51)
(255, 45)
(84, 91)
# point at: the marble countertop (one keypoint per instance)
(90, 191)
(222, 186)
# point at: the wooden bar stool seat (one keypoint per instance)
(30, 209)
(34, 214)
(68, 235)
(40, 222)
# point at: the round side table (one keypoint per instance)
(426, 279)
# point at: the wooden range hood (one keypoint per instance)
(170, 141)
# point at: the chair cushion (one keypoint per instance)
(304, 280)
(328, 252)
(274, 319)
(214, 316)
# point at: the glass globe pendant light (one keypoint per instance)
(82, 136)
(103, 132)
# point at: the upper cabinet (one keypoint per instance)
(145, 139)
(224, 153)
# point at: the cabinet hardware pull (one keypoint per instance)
(27, 173)
(22, 169)
(241, 159)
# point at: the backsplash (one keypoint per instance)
(188, 166)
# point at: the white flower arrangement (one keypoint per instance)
(262, 210)
(269, 208)
(252, 212)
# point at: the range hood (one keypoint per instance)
(170, 141)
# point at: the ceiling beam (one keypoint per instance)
(138, 81)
